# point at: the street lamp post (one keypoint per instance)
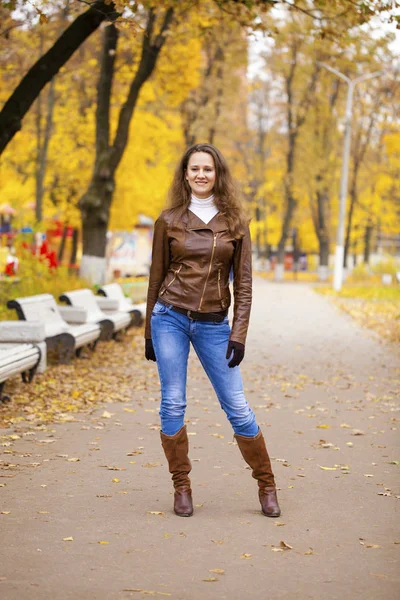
(339, 253)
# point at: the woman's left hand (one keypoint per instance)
(238, 353)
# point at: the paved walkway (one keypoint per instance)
(326, 395)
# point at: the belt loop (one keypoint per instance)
(189, 312)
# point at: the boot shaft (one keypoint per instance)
(254, 452)
(176, 449)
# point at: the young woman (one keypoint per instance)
(196, 243)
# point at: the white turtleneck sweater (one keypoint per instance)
(204, 208)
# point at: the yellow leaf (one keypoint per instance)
(73, 459)
(106, 415)
(150, 465)
(155, 512)
(324, 426)
(285, 546)
(5, 512)
(211, 579)
(130, 410)
(75, 394)
(68, 539)
(327, 468)
(115, 480)
(103, 542)
(246, 556)
(219, 571)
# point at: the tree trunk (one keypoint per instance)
(367, 243)
(62, 244)
(95, 204)
(43, 148)
(353, 200)
(74, 249)
(322, 231)
(48, 66)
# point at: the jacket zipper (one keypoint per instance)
(209, 270)
(219, 284)
(172, 280)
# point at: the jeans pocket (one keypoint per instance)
(159, 309)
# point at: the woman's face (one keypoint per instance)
(200, 174)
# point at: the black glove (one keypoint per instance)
(238, 353)
(149, 352)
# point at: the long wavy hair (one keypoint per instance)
(226, 195)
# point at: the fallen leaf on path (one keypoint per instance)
(73, 459)
(327, 468)
(357, 432)
(107, 415)
(115, 480)
(149, 592)
(367, 475)
(5, 512)
(113, 468)
(345, 425)
(210, 579)
(217, 435)
(150, 465)
(68, 539)
(310, 551)
(323, 426)
(103, 542)
(155, 512)
(246, 556)
(42, 512)
(219, 571)
(372, 546)
(130, 410)
(219, 542)
(280, 524)
(285, 546)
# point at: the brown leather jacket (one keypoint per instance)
(190, 268)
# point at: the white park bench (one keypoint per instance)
(113, 292)
(111, 322)
(22, 351)
(66, 329)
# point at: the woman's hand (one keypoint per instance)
(238, 353)
(149, 352)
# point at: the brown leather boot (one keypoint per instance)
(255, 453)
(176, 448)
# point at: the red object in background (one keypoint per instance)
(10, 269)
(288, 262)
(52, 259)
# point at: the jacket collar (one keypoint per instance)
(216, 224)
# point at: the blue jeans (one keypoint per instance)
(172, 333)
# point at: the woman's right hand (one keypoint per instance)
(149, 352)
